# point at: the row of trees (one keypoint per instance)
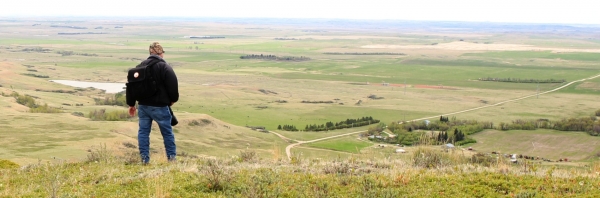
(69, 53)
(363, 53)
(348, 123)
(589, 125)
(276, 58)
(287, 128)
(36, 49)
(36, 75)
(467, 126)
(407, 134)
(317, 102)
(518, 80)
(457, 136)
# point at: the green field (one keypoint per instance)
(437, 75)
(543, 143)
(346, 144)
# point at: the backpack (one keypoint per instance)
(141, 82)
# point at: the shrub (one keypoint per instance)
(248, 156)
(102, 115)
(426, 157)
(118, 99)
(217, 176)
(6, 164)
(78, 114)
(482, 159)
(99, 154)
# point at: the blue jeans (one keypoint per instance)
(162, 116)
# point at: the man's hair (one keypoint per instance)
(156, 48)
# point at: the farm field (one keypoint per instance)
(394, 73)
(543, 143)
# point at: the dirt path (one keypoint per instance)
(288, 149)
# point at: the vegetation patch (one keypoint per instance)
(102, 115)
(519, 80)
(363, 53)
(348, 123)
(34, 107)
(36, 49)
(267, 91)
(36, 75)
(57, 91)
(7, 164)
(70, 53)
(119, 99)
(275, 58)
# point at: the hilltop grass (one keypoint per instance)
(116, 176)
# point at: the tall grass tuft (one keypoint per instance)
(216, 175)
(428, 156)
(248, 156)
(101, 154)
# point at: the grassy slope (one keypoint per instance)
(112, 176)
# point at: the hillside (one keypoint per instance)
(429, 173)
(29, 137)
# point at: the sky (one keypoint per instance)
(520, 11)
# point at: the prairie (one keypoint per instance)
(427, 73)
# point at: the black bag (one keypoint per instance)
(141, 82)
(173, 118)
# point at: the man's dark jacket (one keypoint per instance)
(168, 90)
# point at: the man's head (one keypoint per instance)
(156, 49)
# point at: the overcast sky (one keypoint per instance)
(538, 11)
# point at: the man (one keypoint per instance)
(157, 106)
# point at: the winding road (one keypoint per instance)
(288, 149)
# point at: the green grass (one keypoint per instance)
(347, 144)
(110, 175)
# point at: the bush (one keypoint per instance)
(118, 99)
(78, 114)
(6, 164)
(99, 154)
(425, 157)
(248, 156)
(482, 159)
(102, 115)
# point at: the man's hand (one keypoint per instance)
(131, 111)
